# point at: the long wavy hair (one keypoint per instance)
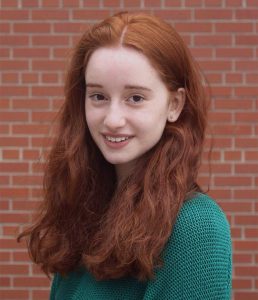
(86, 218)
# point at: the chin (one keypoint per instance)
(117, 160)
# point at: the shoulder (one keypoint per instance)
(201, 212)
(201, 221)
(197, 256)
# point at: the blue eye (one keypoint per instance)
(136, 99)
(97, 97)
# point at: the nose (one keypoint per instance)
(115, 117)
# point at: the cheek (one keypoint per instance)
(92, 117)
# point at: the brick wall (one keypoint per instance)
(36, 36)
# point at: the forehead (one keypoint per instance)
(122, 63)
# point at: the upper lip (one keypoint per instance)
(116, 135)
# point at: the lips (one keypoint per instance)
(116, 140)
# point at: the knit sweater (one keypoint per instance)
(197, 264)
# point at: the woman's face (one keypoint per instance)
(126, 104)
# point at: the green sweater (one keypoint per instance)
(197, 264)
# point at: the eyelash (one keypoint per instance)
(105, 99)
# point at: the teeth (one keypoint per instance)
(116, 140)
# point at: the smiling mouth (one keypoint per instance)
(116, 139)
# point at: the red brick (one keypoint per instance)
(27, 52)
(30, 154)
(220, 194)
(5, 256)
(247, 40)
(192, 3)
(14, 141)
(30, 3)
(201, 52)
(10, 78)
(27, 180)
(14, 14)
(14, 65)
(245, 194)
(233, 3)
(215, 65)
(50, 40)
(14, 40)
(13, 91)
(246, 295)
(234, 52)
(251, 232)
(232, 130)
(132, 3)
(14, 193)
(9, 3)
(40, 294)
(242, 258)
(247, 142)
(90, 14)
(14, 294)
(173, 14)
(5, 282)
(4, 129)
(47, 116)
(251, 78)
(208, 14)
(47, 91)
(251, 155)
(224, 117)
(246, 168)
(14, 218)
(75, 3)
(234, 27)
(49, 78)
(21, 256)
(10, 153)
(5, 53)
(247, 14)
(112, 3)
(69, 27)
(233, 207)
(31, 129)
(14, 270)
(247, 220)
(246, 65)
(47, 65)
(48, 14)
(234, 78)
(233, 104)
(31, 282)
(14, 167)
(232, 181)
(31, 103)
(11, 231)
(193, 27)
(50, 3)
(26, 205)
(31, 27)
(240, 284)
(232, 155)
(246, 271)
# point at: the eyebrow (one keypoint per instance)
(129, 87)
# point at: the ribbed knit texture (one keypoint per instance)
(197, 264)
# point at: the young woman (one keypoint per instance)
(123, 217)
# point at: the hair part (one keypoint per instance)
(86, 219)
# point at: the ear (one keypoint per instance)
(177, 101)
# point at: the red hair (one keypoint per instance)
(86, 219)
